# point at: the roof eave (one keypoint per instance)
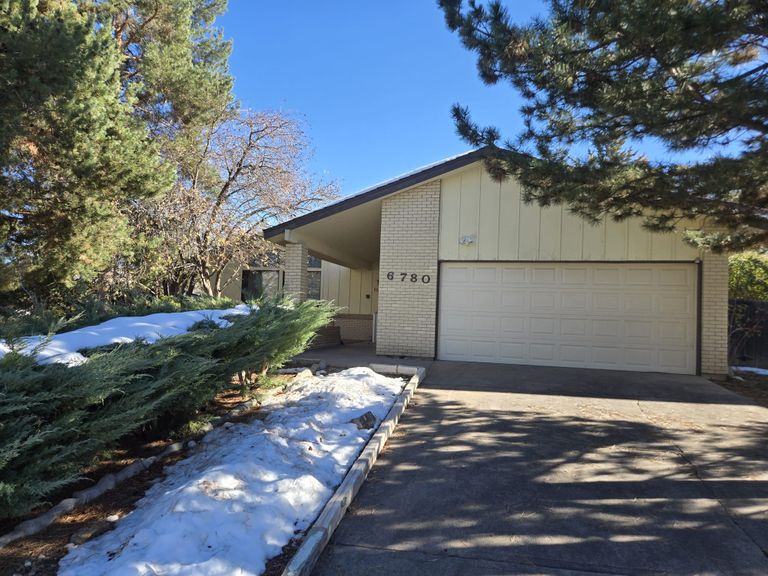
(378, 192)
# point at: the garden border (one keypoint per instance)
(110, 481)
(319, 534)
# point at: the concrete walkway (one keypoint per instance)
(356, 354)
(523, 470)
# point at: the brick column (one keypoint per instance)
(714, 314)
(296, 277)
(409, 241)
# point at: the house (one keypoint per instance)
(267, 279)
(449, 264)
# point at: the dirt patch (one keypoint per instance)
(752, 386)
(39, 554)
(277, 564)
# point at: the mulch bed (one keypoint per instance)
(39, 555)
(277, 564)
(752, 386)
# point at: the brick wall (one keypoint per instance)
(409, 242)
(296, 277)
(714, 314)
(355, 327)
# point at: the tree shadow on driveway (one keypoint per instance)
(504, 482)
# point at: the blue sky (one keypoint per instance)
(372, 81)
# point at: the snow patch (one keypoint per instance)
(249, 488)
(760, 371)
(64, 348)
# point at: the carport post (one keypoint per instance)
(296, 276)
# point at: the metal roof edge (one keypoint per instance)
(381, 190)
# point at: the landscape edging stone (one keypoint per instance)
(319, 534)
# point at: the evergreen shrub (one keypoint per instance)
(55, 420)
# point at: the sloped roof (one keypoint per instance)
(418, 176)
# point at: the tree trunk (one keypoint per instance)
(208, 285)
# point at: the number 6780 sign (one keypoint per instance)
(408, 277)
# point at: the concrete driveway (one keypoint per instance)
(525, 470)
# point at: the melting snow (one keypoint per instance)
(64, 348)
(761, 371)
(248, 489)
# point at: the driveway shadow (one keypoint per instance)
(506, 481)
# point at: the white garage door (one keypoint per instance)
(614, 316)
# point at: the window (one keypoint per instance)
(313, 271)
(258, 283)
(314, 285)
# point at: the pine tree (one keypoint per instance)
(174, 61)
(602, 79)
(73, 154)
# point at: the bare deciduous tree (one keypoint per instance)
(249, 173)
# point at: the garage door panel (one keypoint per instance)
(513, 352)
(543, 326)
(618, 316)
(639, 277)
(457, 275)
(638, 329)
(575, 276)
(574, 327)
(606, 276)
(484, 275)
(456, 324)
(674, 277)
(574, 302)
(641, 358)
(454, 348)
(674, 360)
(638, 304)
(611, 356)
(456, 297)
(512, 326)
(485, 300)
(516, 300)
(603, 328)
(485, 325)
(542, 351)
(606, 302)
(674, 333)
(675, 304)
(546, 301)
(514, 275)
(484, 349)
(574, 354)
(544, 275)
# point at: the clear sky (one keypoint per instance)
(372, 81)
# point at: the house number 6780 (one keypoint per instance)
(403, 276)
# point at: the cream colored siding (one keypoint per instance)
(449, 218)
(353, 290)
(488, 235)
(234, 288)
(504, 227)
(496, 225)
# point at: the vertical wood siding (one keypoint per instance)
(348, 288)
(504, 227)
